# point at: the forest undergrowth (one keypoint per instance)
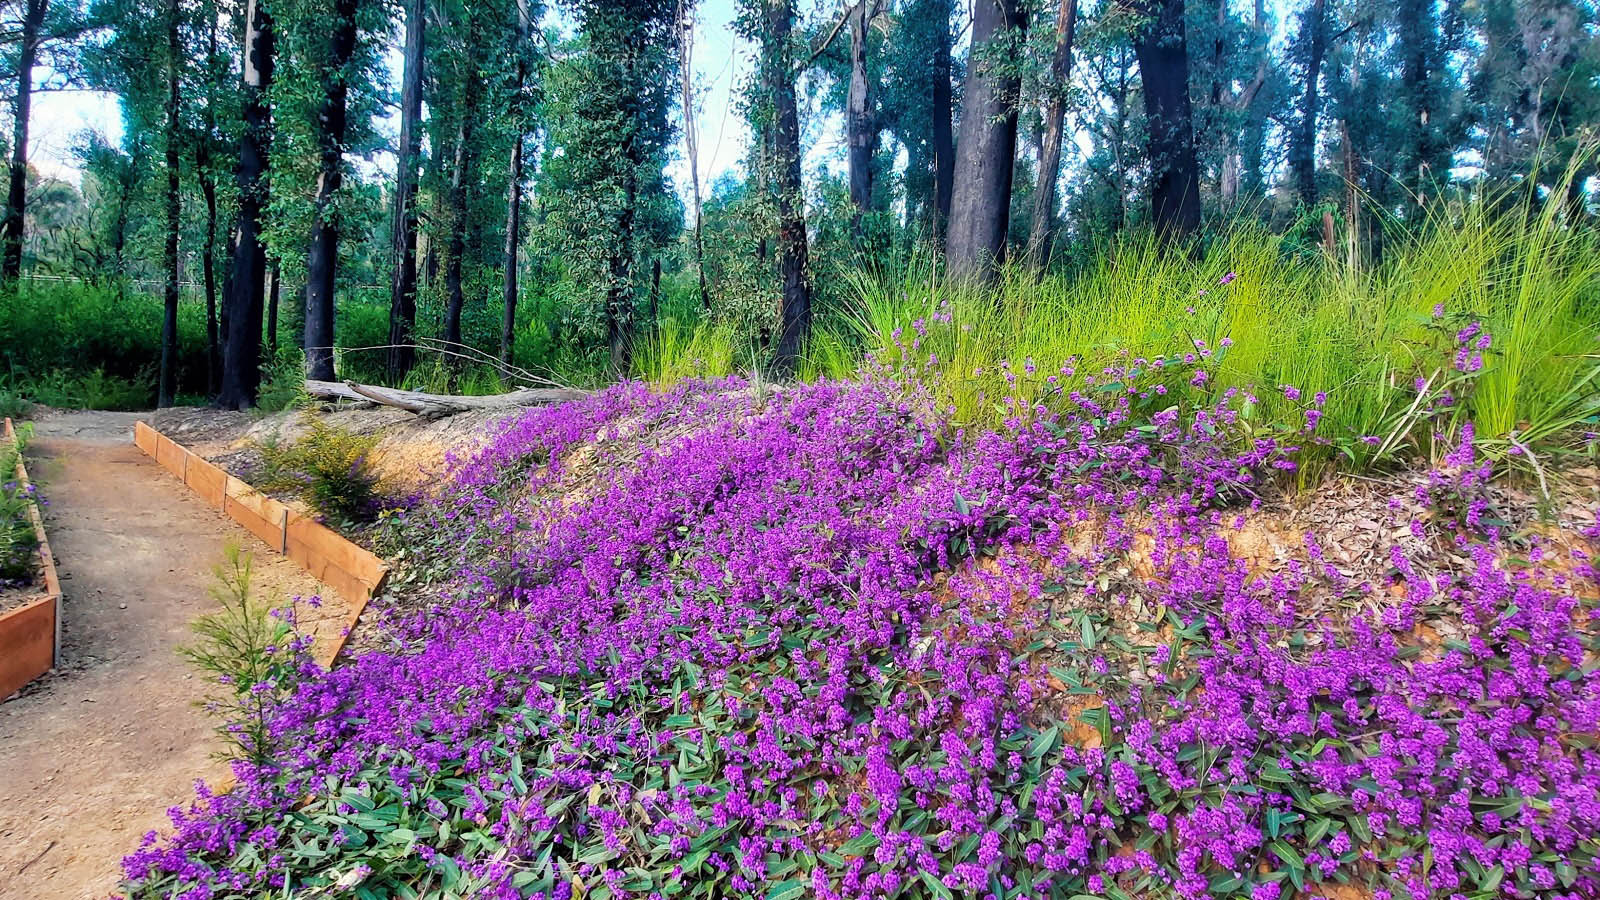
(731, 639)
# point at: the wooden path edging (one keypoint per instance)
(354, 573)
(30, 635)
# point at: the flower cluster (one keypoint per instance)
(735, 641)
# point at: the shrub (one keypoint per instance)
(328, 468)
(19, 543)
(251, 652)
(13, 405)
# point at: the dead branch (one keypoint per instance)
(439, 405)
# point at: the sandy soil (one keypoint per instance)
(91, 755)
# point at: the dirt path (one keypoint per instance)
(92, 755)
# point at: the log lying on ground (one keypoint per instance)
(435, 405)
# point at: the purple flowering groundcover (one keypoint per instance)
(728, 640)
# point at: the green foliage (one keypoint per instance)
(1362, 335)
(83, 345)
(283, 385)
(13, 405)
(677, 351)
(328, 468)
(19, 543)
(250, 652)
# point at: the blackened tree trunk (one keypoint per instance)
(167, 382)
(1303, 141)
(861, 131)
(17, 196)
(459, 180)
(1163, 54)
(403, 251)
(208, 270)
(322, 261)
(980, 209)
(794, 304)
(508, 322)
(944, 140)
(241, 362)
(1055, 117)
(208, 192)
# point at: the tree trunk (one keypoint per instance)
(508, 323)
(1044, 194)
(860, 130)
(322, 262)
(794, 304)
(458, 194)
(273, 285)
(241, 363)
(1163, 55)
(944, 141)
(208, 191)
(980, 209)
(1303, 142)
(208, 269)
(17, 196)
(655, 292)
(403, 250)
(167, 382)
(691, 140)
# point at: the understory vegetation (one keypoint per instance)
(829, 640)
(329, 468)
(19, 543)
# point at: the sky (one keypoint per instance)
(722, 63)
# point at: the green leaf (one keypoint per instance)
(1283, 851)
(792, 889)
(1044, 742)
(860, 845)
(935, 885)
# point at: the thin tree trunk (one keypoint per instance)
(274, 283)
(241, 364)
(508, 322)
(944, 141)
(167, 389)
(794, 304)
(403, 251)
(860, 129)
(691, 140)
(1303, 143)
(322, 262)
(222, 308)
(458, 212)
(655, 292)
(1163, 55)
(17, 196)
(619, 294)
(208, 191)
(980, 209)
(208, 269)
(1044, 194)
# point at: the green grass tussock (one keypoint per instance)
(1362, 335)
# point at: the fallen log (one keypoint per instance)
(436, 405)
